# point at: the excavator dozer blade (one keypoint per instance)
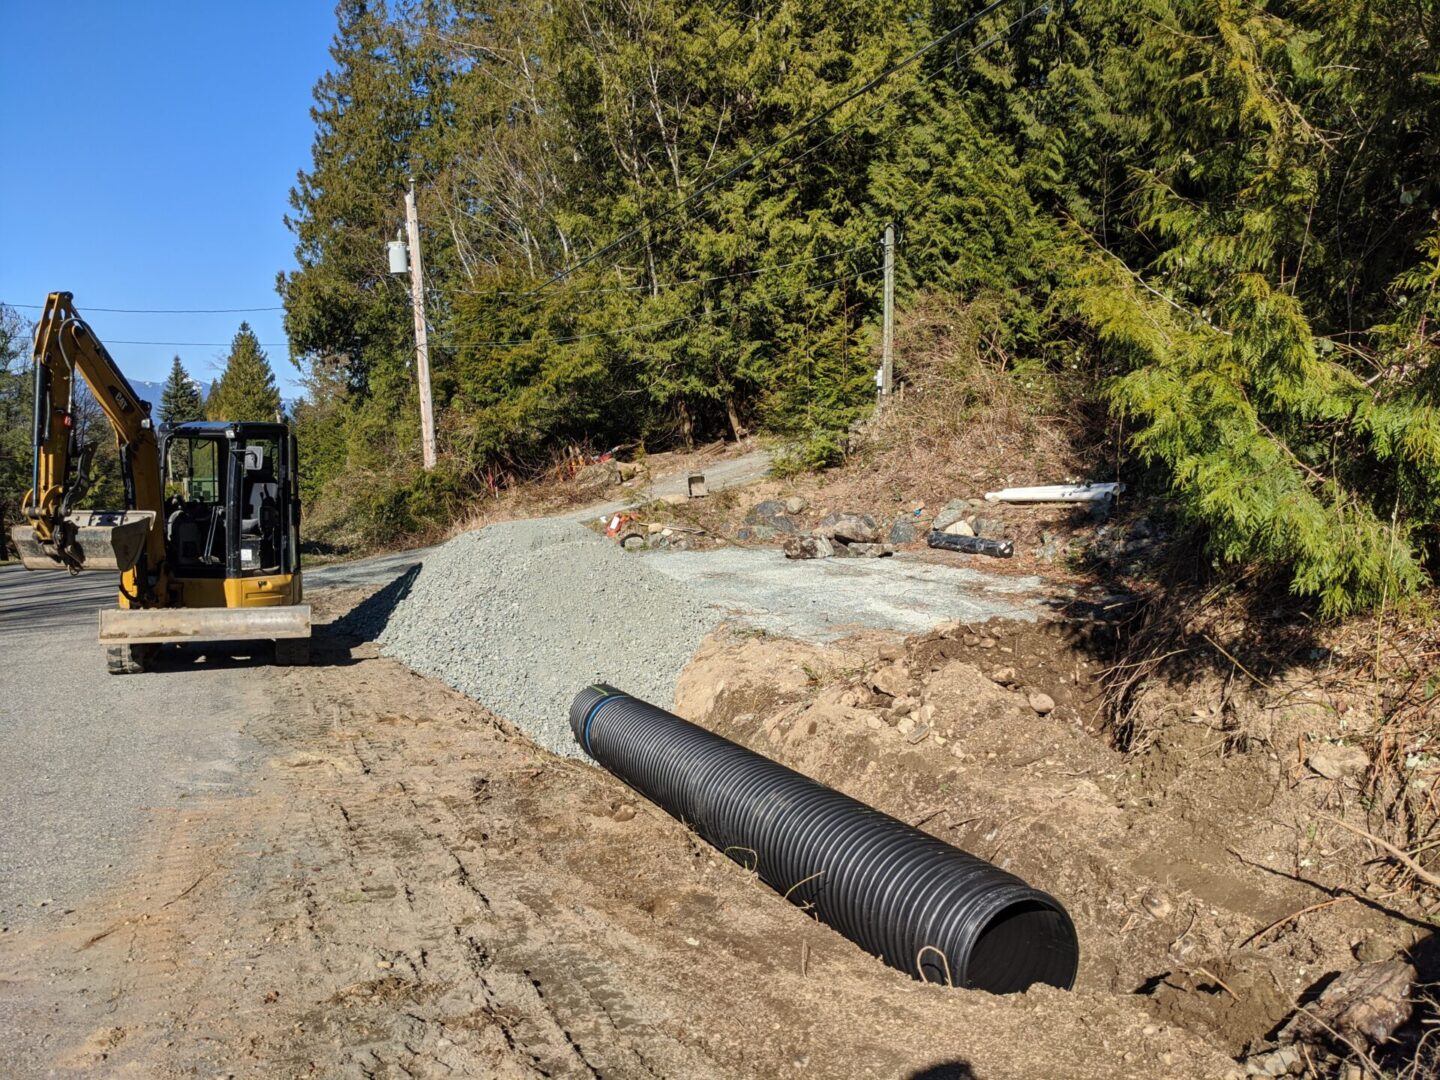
(138, 626)
(92, 540)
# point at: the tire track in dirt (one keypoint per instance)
(411, 889)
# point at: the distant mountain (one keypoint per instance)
(151, 391)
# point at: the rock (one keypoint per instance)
(1278, 1063)
(629, 470)
(771, 514)
(989, 528)
(873, 722)
(796, 504)
(920, 734)
(600, 474)
(1365, 1005)
(1041, 703)
(892, 679)
(656, 527)
(925, 714)
(1141, 529)
(959, 528)
(808, 547)
(758, 532)
(1005, 676)
(848, 528)
(623, 812)
(1052, 547)
(1338, 762)
(903, 706)
(1372, 950)
(950, 513)
(905, 725)
(1156, 904)
(633, 543)
(903, 532)
(872, 551)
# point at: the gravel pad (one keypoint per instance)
(520, 615)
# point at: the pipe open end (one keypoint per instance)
(1024, 944)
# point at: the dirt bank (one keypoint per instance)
(413, 889)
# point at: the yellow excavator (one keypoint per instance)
(208, 543)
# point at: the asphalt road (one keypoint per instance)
(87, 757)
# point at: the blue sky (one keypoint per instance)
(149, 150)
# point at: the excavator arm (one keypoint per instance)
(55, 534)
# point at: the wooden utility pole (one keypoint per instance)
(887, 340)
(422, 345)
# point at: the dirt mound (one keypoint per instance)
(1177, 864)
(522, 614)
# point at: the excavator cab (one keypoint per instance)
(232, 514)
(231, 529)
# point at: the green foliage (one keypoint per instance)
(1252, 302)
(180, 400)
(1221, 213)
(16, 397)
(246, 389)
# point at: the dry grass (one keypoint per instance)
(967, 414)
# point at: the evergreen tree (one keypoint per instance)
(1217, 215)
(246, 390)
(180, 400)
(16, 442)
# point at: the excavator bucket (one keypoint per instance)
(89, 540)
(134, 626)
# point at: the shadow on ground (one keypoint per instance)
(367, 620)
(946, 1070)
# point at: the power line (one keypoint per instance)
(800, 129)
(515, 342)
(686, 281)
(160, 311)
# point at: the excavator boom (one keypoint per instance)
(131, 540)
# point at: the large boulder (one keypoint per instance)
(903, 532)
(950, 513)
(771, 514)
(808, 547)
(598, 474)
(848, 528)
(989, 528)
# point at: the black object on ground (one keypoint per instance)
(971, 545)
(916, 902)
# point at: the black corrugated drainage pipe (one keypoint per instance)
(912, 900)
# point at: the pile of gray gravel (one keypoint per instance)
(521, 615)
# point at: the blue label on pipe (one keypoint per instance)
(590, 716)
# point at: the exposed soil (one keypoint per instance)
(413, 889)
